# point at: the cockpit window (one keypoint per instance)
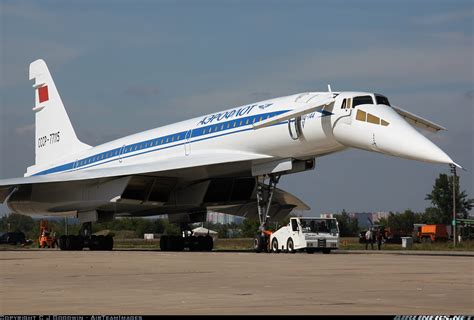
(382, 100)
(343, 105)
(362, 100)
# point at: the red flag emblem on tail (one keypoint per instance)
(43, 94)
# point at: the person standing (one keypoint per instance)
(369, 238)
(379, 237)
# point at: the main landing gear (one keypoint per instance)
(264, 201)
(85, 239)
(188, 241)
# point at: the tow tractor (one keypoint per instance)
(307, 233)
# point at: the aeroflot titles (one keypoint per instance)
(231, 114)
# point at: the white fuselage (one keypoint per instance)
(229, 130)
(354, 119)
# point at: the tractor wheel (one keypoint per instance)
(275, 248)
(290, 246)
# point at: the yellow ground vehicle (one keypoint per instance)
(46, 238)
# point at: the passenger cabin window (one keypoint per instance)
(382, 100)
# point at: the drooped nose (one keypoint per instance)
(407, 142)
(392, 135)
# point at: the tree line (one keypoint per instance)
(440, 211)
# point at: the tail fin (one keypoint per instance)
(55, 136)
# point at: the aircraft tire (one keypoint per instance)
(193, 243)
(201, 243)
(164, 240)
(208, 243)
(69, 243)
(260, 243)
(108, 243)
(94, 243)
(177, 243)
(62, 242)
(78, 243)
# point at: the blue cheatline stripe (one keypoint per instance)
(164, 142)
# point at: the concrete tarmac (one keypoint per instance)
(154, 282)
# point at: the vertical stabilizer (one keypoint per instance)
(55, 136)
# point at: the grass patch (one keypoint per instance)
(136, 243)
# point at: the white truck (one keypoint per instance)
(306, 233)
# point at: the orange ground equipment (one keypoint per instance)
(433, 232)
(46, 239)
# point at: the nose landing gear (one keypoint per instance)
(264, 201)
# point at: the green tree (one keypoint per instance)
(249, 228)
(442, 199)
(348, 226)
(402, 223)
(18, 222)
(431, 215)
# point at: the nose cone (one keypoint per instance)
(406, 142)
(398, 138)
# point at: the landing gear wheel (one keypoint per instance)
(177, 243)
(62, 242)
(164, 243)
(78, 243)
(68, 243)
(101, 240)
(264, 202)
(193, 243)
(260, 243)
(171, 243)
(275, 246)
(208, 243)
(94, 243)
(108, 243)
(290, 246)
(201, 243)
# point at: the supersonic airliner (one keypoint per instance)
(229, 161)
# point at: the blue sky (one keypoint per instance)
(126, 66)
